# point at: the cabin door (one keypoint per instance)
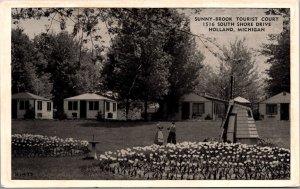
(284, 111)
(82, 109)
(185, 110)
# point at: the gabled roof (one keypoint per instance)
(214, 98)
(89, 96)
(202, 97)
(241, 100)
(283, 97)
(27, 95)
(192, 97)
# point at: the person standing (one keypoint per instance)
(159, 137)
(172, 134)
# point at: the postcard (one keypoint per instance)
(149, 94)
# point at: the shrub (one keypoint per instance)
(61, 115)
(208, 117)
(99, 116)
(29, 114)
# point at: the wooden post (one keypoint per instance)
(94, 154)
(231, 87)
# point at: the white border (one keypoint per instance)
(5, 88)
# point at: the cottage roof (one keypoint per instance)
(89, 96)
(27, 95)
(192, 97)
(283, 97)
(241, 100)
(207, 96)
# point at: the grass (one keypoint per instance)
(277, 131)
(62, 168)
(114, 136)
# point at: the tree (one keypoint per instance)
(278, 53)
(206, 76)
(88, 77)
(68, 75)
(139, 71)
(238, 63)
(161, 57)
(185, 65)
(59, 51)
(26, 75)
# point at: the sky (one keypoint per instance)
(254, 41)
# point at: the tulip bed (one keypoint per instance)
(198, 160)
(28, 145)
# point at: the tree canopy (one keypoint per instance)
(150, 59)
(239, 64)
(49, 66)
(27, 65)
(278, 53)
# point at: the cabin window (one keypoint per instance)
(39, 105)
(217, 109)
(114, 107)
(24, 104)
(93, 105)
(73, 105)
(198, 108)
(48, 106)
(271, 109)
(107, 106)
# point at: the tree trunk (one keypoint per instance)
(146, 109)
(161, 110)
(127, 108)
(172, 105)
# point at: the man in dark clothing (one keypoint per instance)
(172, 134)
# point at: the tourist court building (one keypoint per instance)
(26, 103)
(276, 107)
(90, 106)
(194, 106)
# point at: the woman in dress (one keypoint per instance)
(159, 137)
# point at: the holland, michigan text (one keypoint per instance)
(251, 29)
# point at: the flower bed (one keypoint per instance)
(203, 160)
(28, 145)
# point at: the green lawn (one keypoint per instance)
(116, 135)
(277, 131)
(113, 136)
